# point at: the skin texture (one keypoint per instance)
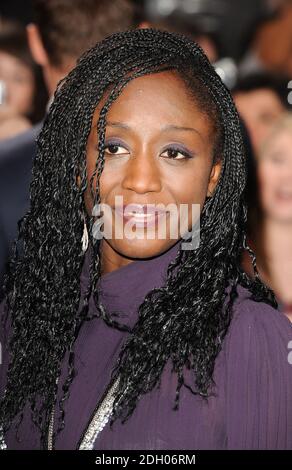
(259, 109)
(142, 170)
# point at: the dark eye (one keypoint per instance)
(176, 154)
(115, 149)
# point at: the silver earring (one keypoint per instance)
(84, 238)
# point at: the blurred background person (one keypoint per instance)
(244, 36)
(266, 45)
(60, 32)
(261, 99)
(23, 95)
(270, 213)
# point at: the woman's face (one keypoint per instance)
(19, 84)
(159, 151)
(275, 177)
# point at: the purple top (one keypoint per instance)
(252, 408)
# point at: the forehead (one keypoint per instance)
(159, 97)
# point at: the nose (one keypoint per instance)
(142, 175)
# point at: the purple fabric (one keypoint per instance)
(252, 407)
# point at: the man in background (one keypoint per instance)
(261, 100)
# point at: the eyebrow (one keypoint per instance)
(117, 124)
(170, 127)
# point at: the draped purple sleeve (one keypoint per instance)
(258, 374)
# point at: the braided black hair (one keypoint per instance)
(43, 285)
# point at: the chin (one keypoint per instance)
(141, 249)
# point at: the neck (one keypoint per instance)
(53, 75)
(110, 259)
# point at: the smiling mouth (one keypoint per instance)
(139, 210)
(141, 216)
(138, 215)
(145, 221)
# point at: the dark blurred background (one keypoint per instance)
(232, 20)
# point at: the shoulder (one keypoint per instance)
(19, 146)
(258, 314)
(256, 377)
(258, 329)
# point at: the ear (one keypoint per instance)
(214, 177)
(78, 180)
(36, 45)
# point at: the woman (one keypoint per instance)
(23, 96)
(270, 214)
(161, 343)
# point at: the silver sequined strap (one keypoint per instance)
(3, 445)
(100, 419)
(51, 425)
(50, 433)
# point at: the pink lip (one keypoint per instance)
(147, 209)
(151, 214)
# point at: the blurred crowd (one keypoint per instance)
(248, 42)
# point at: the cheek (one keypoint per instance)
(90, 166)
(190, 186)
(110, 184)
(267, 178)
(266, 175)
(110, 180)
(189, 193)
(90, 161)
(264, 129)
(21, 96)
